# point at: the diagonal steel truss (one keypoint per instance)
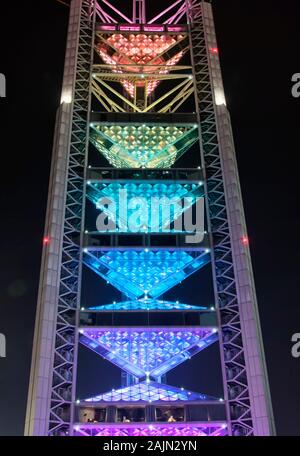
(113, 101)
(109, 14)
(64, 361)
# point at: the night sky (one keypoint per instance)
(259, 48)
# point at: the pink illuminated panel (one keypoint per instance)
(130, 28)
(153, 28)
(146, 51)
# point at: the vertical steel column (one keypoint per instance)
(246, 378)
(64, 363)
(51, 386)
(139, 12)
(37, 414)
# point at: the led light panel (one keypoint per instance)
(158, 204)
(149, 392)
(147, 351)
(141, 54)
(140, 273)
(155, 429)
(143, 146)
(146, 305)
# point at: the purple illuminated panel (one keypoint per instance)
(155, 429)
(147, 351)
(149, 392)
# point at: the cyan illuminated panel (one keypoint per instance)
(159, 203)
(149, 392)
(146, 305)
(144, 351)
(143, 146)
(145, 272)
(156, 429)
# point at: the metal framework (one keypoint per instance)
(142, 93)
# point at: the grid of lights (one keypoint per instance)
(142, 53)
(160, 204)
(139, 273)
(147, 351)
(142, 146)
(146, 304)
(149, 392)
(155, 429)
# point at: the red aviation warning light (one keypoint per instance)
(245, 240)
(46, 240)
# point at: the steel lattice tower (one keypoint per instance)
(141, 94)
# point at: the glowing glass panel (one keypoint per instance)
(143, 146)
(149, 392)
(155, 429)
(146, 272)
(147, 351)
(146, 304)
(161, 203)
(141, 54)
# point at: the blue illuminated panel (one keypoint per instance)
(146, 305)
(140, 273)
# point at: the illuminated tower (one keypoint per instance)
(143, 118)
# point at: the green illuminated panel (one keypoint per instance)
(143, 146)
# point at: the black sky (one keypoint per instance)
(259, 48)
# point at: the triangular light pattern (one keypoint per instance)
(141, 54)
(146, 304)
(149, 392)
(139, 273)
(145, 351)
(143, 146)
(163, 203)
